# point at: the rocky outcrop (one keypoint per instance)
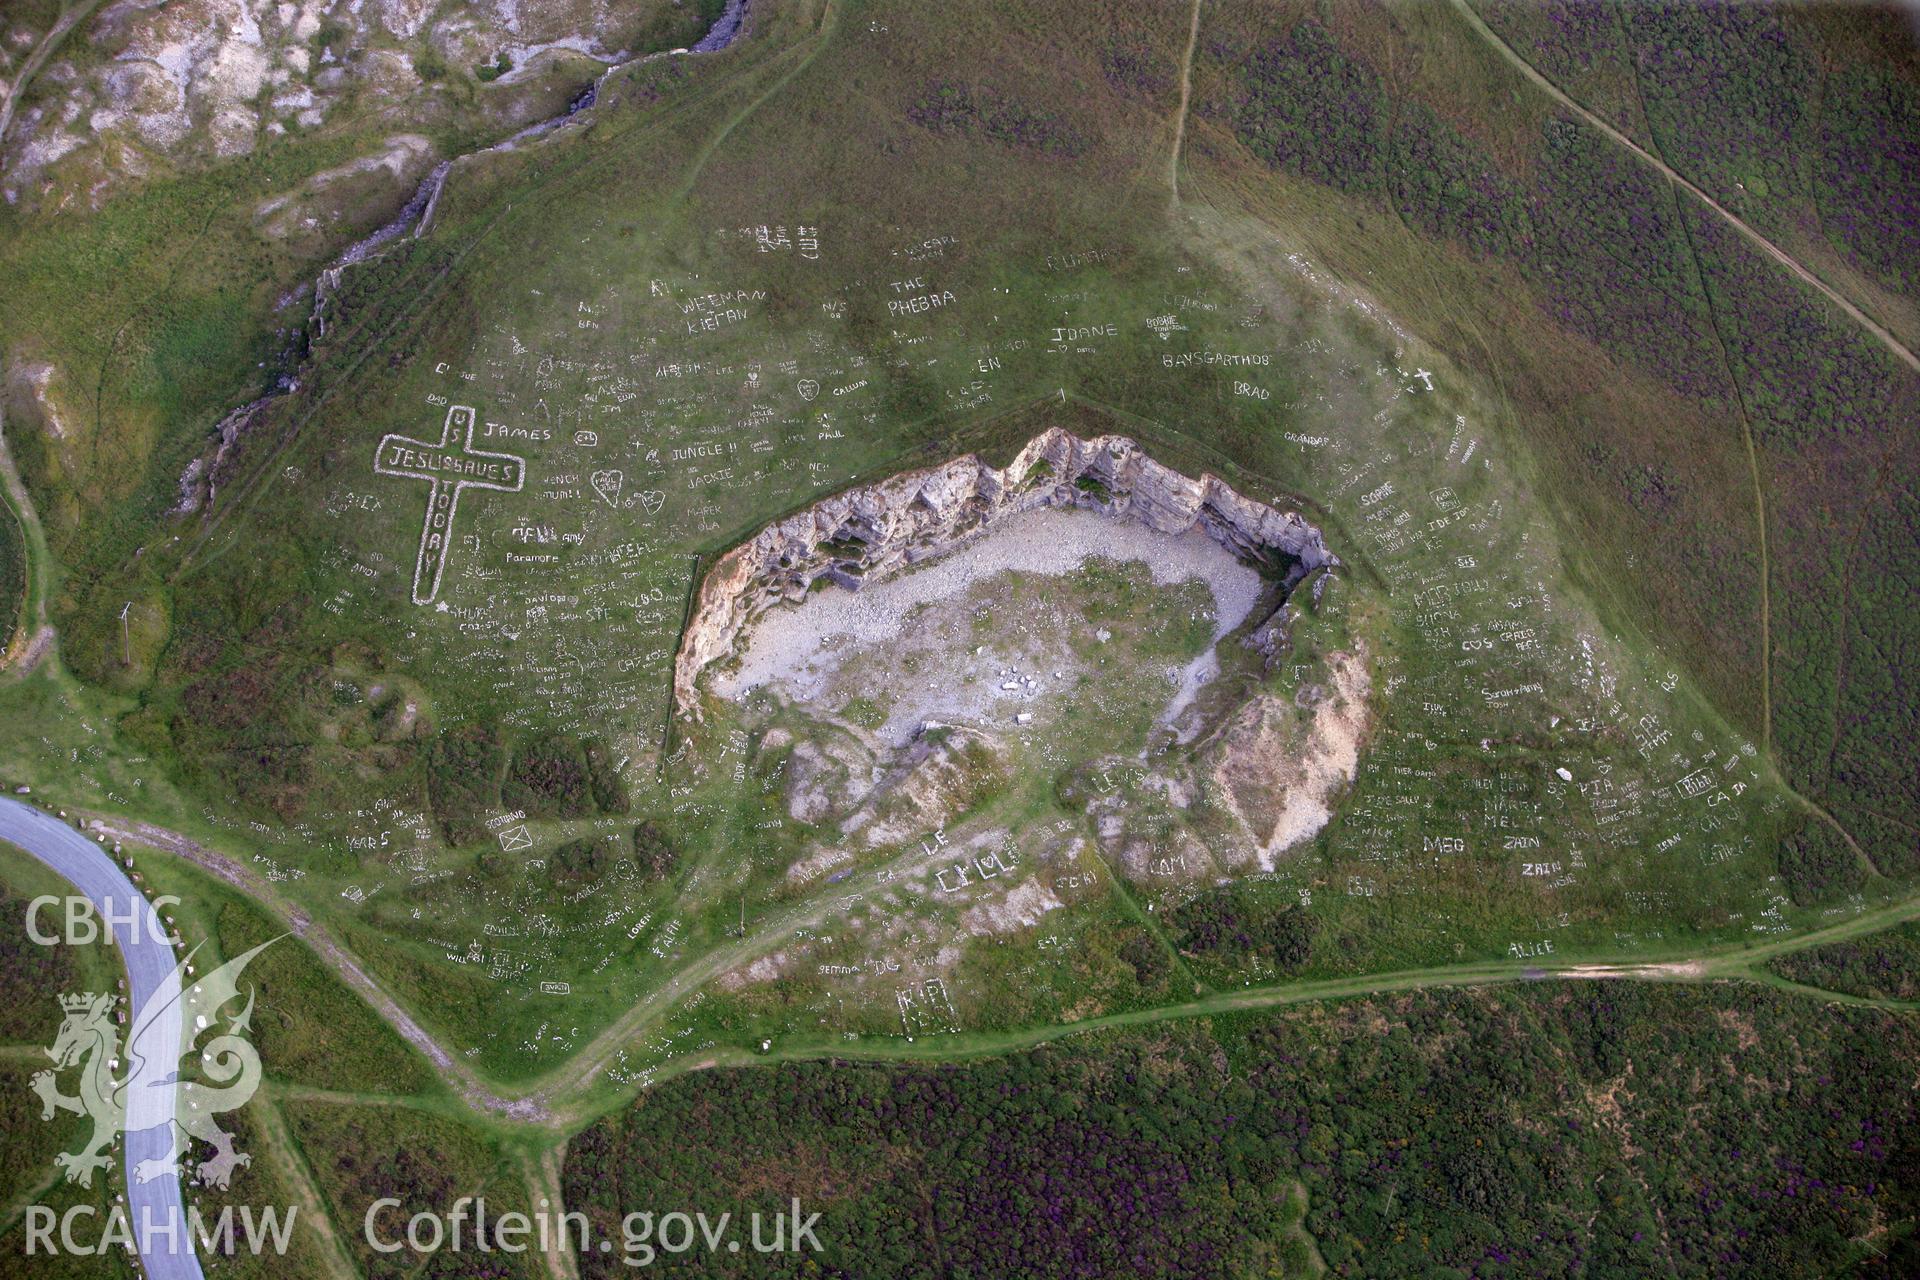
(864, 534)
(143, 86)
(1279, 775)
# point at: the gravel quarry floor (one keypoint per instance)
(799, 650)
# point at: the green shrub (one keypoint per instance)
(550, 778)
(463, 780)
(1818, 864)
(584, 861)
(654, 852)
(1147, 958)
(1236, 920)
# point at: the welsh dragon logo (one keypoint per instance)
(165, 1030)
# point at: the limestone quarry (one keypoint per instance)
(867, 534)
(1084, 627)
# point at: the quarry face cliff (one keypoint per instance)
(867, 533)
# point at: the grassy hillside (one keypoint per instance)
(1581, 332)
(1594, 463)
(1705, 417)
(141, 302)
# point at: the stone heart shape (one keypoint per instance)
(652, 500)
(809, 388)
(607, 485)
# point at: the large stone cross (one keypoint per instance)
(449, 467)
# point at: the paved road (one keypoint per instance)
(151, 973)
